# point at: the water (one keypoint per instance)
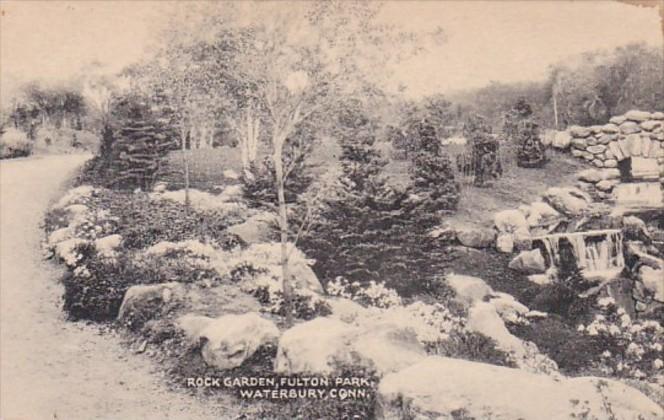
(598, 253)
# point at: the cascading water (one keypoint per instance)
(598, 253)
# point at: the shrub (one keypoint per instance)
(471, 346)
(485, 156)
(14, 143)
(372, 294)
(95, 288)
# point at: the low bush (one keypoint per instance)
(471, 346)
(14, 143)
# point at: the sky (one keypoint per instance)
(481, 41)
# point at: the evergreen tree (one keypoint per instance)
(485, 150)
(531, 151)
(432, 175)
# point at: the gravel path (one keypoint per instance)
(51, 368)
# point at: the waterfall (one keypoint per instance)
(598, 253)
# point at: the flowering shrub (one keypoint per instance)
(268, 290)
(634, 348)
(373, 294)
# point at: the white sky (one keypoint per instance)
(500, 40)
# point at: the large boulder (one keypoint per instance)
(529, 262)
(590, 175)
(146, 301)
(653, 281)
(227, 341)
(568, 200)
(468, 289)
(256, 229)
(475, 237)
(629, 127)
(445, 388)
(541, 213)
(321, 345)
(505, 243)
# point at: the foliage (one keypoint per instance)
(632, 348)
(14, 143)
(531, 152)
(372, 294)
(432, 174)
(485, 157)
(95, 288)
(471, 346)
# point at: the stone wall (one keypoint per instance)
(635, 134)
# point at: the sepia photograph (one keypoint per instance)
(331, 210)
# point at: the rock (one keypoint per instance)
(598, 163)
(588, 156)
(541, 213)
(441, 388)
(510, 221)
(639, 116)
(650, 125)
(579, 143)
(231, 174)
(606, 185)
(232, 193)
(577, 153)
(596, 129)
(505, 242)
(646, 144)
(614, 147)
(541, 279)
(629, 127)
(529, 262)
(345, 310)
(146, 301)
(633, 144)
(256, 229)
(508, 307)
(107, 246)
(590, 175)
(595, 150)
(229, 340)
(607, 138)
(319, 345)
(60, 235)
(610, 128)
(192, 325)
(570, 201)
(484, 319)
(612, 173)
(579, 132)
(657, 115)
(522, 239)
(655, 147)
(618, 119)
(653, 281)
(610, 163)
(468, 289)
(444, 232)
(548, 136)
(76, 213)
(562, 140)
(159, 187)
(476, 237)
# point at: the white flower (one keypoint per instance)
(580, 328)
(614, 330)
(606, 354)
(657, 364)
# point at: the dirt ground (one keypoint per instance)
(51, 368)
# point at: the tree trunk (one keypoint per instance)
(185, 162)
(555, 109)
(287, 290)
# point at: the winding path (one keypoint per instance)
(51, 368)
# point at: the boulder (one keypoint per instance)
(634, 144)
(345, 310)
(607, 138)
(468, 289)
(510, 221)
(320, 345)
(590, 175)
(505, 242)
(227, 341)
(579, 132)
(476, 237)
(567, 200)
(484, 319)
(610, 128)
(561, 140)
(650, 125)
(618, 119)
(548, 136)
(579, 143)
(541, 213)
(192, 325)
(657, 115)
(595, 150)
(145, 301)
(256, 229)
(629, 127)
(646, 144)
(444, 388)
(232, 193)
(610, 163)
(607, 185)
(598, 163)
(508, 307)
(577, 153)
(653, 281)
(529, 262)
(614, 147)
(639, 116)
